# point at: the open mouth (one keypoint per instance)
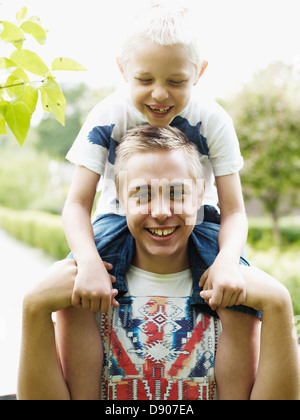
(162, 233)
(160, 110)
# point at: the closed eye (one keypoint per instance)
(177, 82)
(144, 80)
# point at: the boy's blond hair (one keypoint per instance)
(147, 138)
(163, 23)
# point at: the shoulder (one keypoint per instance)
(206, 109)
(109, 106)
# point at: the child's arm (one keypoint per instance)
(224, 276)
(93, 288)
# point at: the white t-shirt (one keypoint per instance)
(144, 283)
(204, 122)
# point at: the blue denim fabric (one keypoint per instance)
(116, 245)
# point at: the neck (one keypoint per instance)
(172, 265)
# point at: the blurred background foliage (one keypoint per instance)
(34, 179)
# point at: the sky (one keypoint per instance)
(239, 37)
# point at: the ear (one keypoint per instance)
(121, 68)
(203, 68)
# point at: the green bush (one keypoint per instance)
(262, 237)
(37, 229)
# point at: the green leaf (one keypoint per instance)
(22, 93)
(35, 30)
(18, 118)
(63, 63)
(30, 61)
(7, 65)
(19, 44)
(21, 75)
(21, 14)
(53, 99)
(45, 102)
(3, 130)
(10, 32)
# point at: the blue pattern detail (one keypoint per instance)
(193, 133)
(102, 136)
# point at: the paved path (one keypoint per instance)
(20, 268)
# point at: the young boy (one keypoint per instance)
(161, 63)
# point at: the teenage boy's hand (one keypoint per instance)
(93, 287)
(225, 280)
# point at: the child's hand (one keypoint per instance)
(223, 285)
(93, 287)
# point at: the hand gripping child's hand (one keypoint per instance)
(223, 285)
(93, 287)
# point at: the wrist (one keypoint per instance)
(228, 256)
(87, 258)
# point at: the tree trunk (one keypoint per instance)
(276, 229)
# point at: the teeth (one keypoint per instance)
(159, 232)
(159, 110)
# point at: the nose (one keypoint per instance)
(160, 93)
(161, 208)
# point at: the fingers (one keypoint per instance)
(76, 299)
(204, 278)
(114, 302)
(107, 265)
(218, 298)
(95, 304)
(206, 295)
(97, 298)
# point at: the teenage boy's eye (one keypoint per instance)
(143, 195)
(176, 193)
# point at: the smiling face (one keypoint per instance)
(161, 79)
(161, 198)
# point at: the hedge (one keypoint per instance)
(37, 229)
(263, 237)
(45, 231)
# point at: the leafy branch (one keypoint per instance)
(19, 94)
(20, 84)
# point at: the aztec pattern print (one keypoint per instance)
(158, 348)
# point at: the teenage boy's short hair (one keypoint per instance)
(165, 25)
(147, 138)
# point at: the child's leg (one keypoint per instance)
(81, 352)
(237, 355)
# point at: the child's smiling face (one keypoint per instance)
(161, 80)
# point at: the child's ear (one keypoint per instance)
(203, 68)
(121, 68)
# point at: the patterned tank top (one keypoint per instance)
(158, 348)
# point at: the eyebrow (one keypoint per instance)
(183, 74)
(141, 73)
(145, 187)
(136, 188)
